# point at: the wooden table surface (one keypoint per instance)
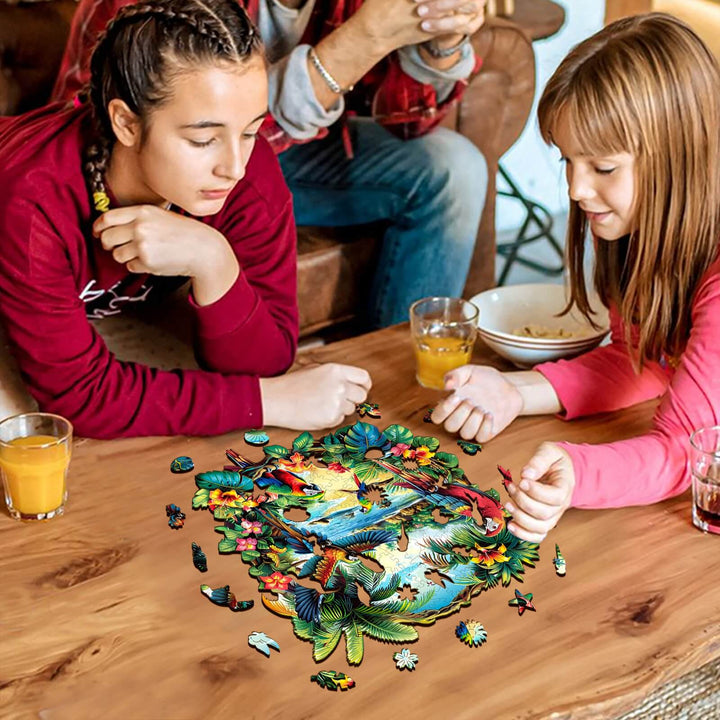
(101, 613)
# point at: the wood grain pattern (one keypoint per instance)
(101, 611)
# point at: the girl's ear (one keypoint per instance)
(125, 123)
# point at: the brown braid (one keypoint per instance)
(140, 49)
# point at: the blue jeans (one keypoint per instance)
(430, 189)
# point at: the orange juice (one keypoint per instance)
(34, 476)
(437, 355)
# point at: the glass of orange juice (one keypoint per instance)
(443, 331)
(35, 451)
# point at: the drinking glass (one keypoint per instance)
(444, 331)
(705, 467)
(35, 451)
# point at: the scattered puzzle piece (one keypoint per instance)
(182, 464)
(405, 660)
(427, 417)
(506, 476)
(176, 517)
(222, 596)
(333, 680)
(522, 602)
(199, 558)
(258, 438)
(559, 562)
(366, 409)
(471, 632)
(469, 448)
(262, 642)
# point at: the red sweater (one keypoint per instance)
(405, 106)
(54, 274)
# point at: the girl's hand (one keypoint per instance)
(543, 493)
(148, 239)
(314, 398)
(483, 403)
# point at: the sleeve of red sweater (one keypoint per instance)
(253, 328)
(409, 108)
(70, 371)
(655, 466)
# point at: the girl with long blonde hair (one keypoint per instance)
(635, 113)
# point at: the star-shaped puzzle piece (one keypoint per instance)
(522, 602)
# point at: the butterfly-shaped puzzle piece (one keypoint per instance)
(176, 517)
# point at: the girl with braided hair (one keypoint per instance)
(160, 178)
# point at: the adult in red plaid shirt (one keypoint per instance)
(357, 89)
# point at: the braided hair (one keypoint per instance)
(139, 51)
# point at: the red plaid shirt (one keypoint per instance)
(405, 106)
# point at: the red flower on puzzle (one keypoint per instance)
(277, 582)
(296, 462)
(245, 543)
(336, 467)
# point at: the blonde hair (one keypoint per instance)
(646, 85)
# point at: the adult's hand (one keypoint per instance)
(448, 21)
(483, 403)
(543, 493)
(391, 24)
(313, 398)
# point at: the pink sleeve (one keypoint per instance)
(603, 379)
(654, 466)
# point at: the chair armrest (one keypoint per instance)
(492, 114)
(496, 105)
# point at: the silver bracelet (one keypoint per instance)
(332, 83)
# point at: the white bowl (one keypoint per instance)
(505, 309)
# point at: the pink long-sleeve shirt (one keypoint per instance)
(54, 275)
(653, 466)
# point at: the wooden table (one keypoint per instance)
(101, 613)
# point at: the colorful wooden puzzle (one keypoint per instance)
(341, 534)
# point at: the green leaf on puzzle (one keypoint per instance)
(324, 642)
(430, 443)
(249, 555)
(447, 459)
(201, 498)
(276, 451)
(302, 443)
(226, 545)
(354, 644)
(397, 434)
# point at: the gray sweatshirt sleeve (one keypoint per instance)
(443, 81)
(292, 98)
